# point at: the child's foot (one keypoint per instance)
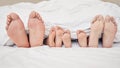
(36, 29)
(16, 31)
(51, 38)
(67, 39)
(59, 34)
(82, 38)
(110, 30)
(96, 30)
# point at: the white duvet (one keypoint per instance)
(69, 14)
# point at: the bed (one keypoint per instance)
(46, 57)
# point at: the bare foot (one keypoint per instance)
(82, 38)
(67, 39)
(96, 30)
(36, 29)
(110, 30)
(59, 34)
(51, 38)
(16, 31)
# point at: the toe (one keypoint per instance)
(52, 29)
(107, 19)
(67, 31)
(100, 18)
(95, 18)
(58, 28)
(9, 19)
(66, 34)
(82, 34)
(8, 23)
(32, 14)
(13, 16)
(37, 15)
(78, 31)
(113, 21)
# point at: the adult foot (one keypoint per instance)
(36, 29)
(109, 32)
(82, 38)
(51, 38)
(16, 30)
(59, 34)
(67, 39)
(96, 30)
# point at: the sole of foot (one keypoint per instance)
(59, 34)
(82, 38)
(109, 32)
(36, 29)
(51, 37)
(16, 30)
(67, 39)
(96, 31)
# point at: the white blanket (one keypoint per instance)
(69, 14)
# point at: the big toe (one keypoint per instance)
(52, 29)
(67, 31)
(36, 15)
(107, 19)
(95, 18)
(32, 14)
(100, 18)
(79, 31)
(13, 16)
(58, 28)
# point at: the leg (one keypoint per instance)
(16, 30)
(51, 38)
(59, 34)
(82, 38)
(96, 30)
(67, 39)
(109, 32)
(36, 29)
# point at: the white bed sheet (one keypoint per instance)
(42, 57)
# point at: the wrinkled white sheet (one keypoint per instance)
(69, 14)
(42, 57)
